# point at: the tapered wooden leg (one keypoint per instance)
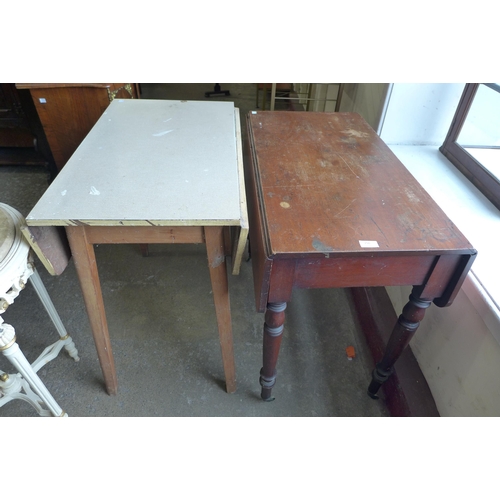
(273, 332)
(405, 328)
(214, 238)
(86, 267)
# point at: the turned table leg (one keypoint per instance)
(405, 328)
(34, 389)
(273, 332)
(65, 339)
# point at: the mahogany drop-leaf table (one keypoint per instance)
(330, 205)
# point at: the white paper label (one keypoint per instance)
(368, 244)
(42, 100)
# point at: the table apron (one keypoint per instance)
(346, 272)
(144, 234)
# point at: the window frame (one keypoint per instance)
(484, 180)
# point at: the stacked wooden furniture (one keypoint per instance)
(22, 141)
(68, 111)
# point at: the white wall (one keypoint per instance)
(458, 355)
(456, 346)
(420, 113)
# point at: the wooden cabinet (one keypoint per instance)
(14, 127)
(68, 111)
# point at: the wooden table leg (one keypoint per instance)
(273, 332)
(86, 267)
(214, 238)
(405, 328)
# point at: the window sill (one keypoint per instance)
(473, 214)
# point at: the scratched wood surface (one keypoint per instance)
(327, 183)
(150, 162)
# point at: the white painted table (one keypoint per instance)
(154, 171)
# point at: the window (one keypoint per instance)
(473, 141)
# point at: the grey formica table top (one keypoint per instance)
(152, 162)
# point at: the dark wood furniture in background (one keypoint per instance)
(22, 140)
(331, 206)
(67, 111)
(14, 124)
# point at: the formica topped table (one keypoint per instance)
(153, 171)
(331, 206)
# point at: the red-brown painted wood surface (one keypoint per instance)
(328, 181)
(330, 205)
(323, 185)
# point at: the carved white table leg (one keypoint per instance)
(11, 385)
(65, 340)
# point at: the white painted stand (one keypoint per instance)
(16, 267)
